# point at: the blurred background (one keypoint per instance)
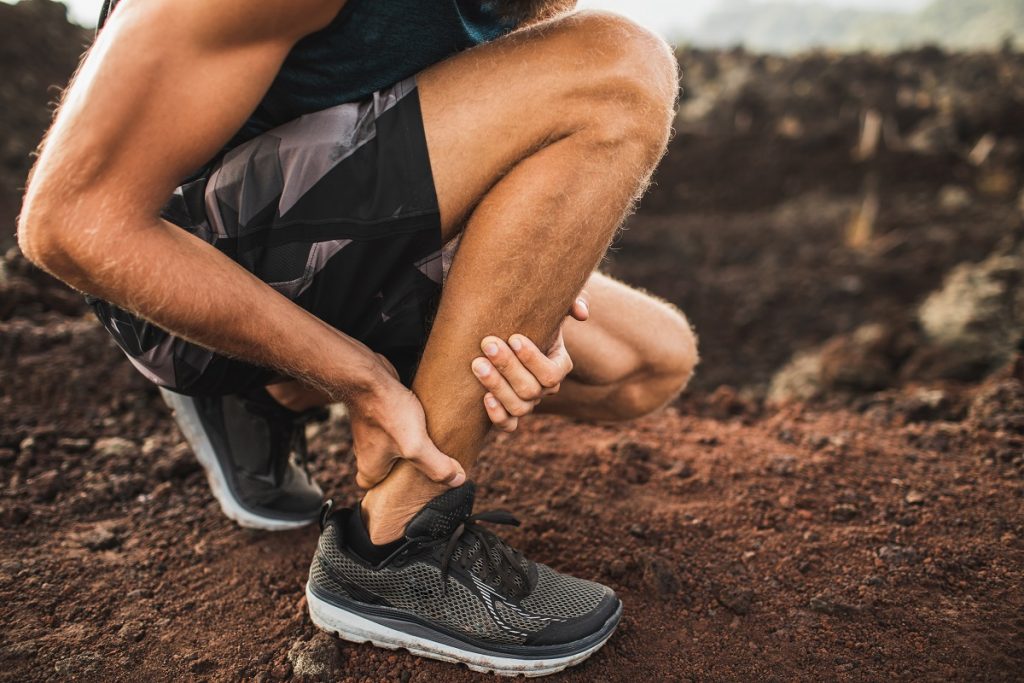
(840, 495)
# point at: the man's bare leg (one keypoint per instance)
(633, 355)
(539, 144)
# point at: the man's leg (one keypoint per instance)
(539, 144)
(632, 356)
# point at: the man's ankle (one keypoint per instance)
(386, 515)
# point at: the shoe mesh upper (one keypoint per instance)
(560, 595)
(480, 612)
(416, 587)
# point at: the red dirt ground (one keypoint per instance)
(798, 544)
(871, 536)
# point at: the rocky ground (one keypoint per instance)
(839, 497)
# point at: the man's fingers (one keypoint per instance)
(580, 309)
(498, 415)
(544, 369)
(522, 381)
(436, 465)
(498, 386)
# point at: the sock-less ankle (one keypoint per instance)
(358, 538)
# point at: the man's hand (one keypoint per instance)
(517, 375)
(388, 425)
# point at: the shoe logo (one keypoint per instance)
(491, 598)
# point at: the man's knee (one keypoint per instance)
(666, 367)
(670, 367)
(630, 75)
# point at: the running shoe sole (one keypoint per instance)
(192, 428)
(383, 627)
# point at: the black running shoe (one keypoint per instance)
(254, 453)
(452, 590)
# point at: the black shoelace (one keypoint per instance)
(295, 433)
(509, 564)
(297, 442)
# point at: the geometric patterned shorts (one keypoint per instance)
(335, 210)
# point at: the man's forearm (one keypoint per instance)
(167, 276)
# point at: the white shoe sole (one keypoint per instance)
(192, 428)
(352, 627)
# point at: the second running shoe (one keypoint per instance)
(254, 453)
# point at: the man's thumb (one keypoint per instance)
(439, 467)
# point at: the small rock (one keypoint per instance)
(113, 446)
(281, 671)
(783, 465)
(617, 569)
(74, 445)
(46, 486)
(954, 198)
(100, 538)
(662, 577)
(895, 555)
(317, 658)
(736, 600)
(924, 405)
(682, 469)
(914, 497)
(177, 464)
(133, 631)
(843, 512)
(824, 605)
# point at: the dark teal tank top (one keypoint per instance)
(370, 45)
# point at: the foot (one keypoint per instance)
(253, 451)
(452, 590)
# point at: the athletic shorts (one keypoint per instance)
(335, 210)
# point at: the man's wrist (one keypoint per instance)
(360, 380)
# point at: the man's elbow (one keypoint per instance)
(46, 235)
(38, 235)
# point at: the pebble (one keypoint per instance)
(318, 657)
(915, 497)
(133, 631)
(46, 486)
(177, 464)
(896, 554)
(112, 446)
(844, 512)
(74, 445)
(281, 671)
(736, 600)
(662, 577)
(100, 538)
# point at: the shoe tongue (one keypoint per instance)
(443, 514)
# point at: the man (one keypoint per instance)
(261, 198)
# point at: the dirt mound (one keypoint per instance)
(38, 51)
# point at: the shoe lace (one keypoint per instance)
(498, 561)
(297, 440)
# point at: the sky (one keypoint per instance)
(666, 17)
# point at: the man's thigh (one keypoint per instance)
(488, 108)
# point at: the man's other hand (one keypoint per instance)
(517, 374)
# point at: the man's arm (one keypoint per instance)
(167, 83)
